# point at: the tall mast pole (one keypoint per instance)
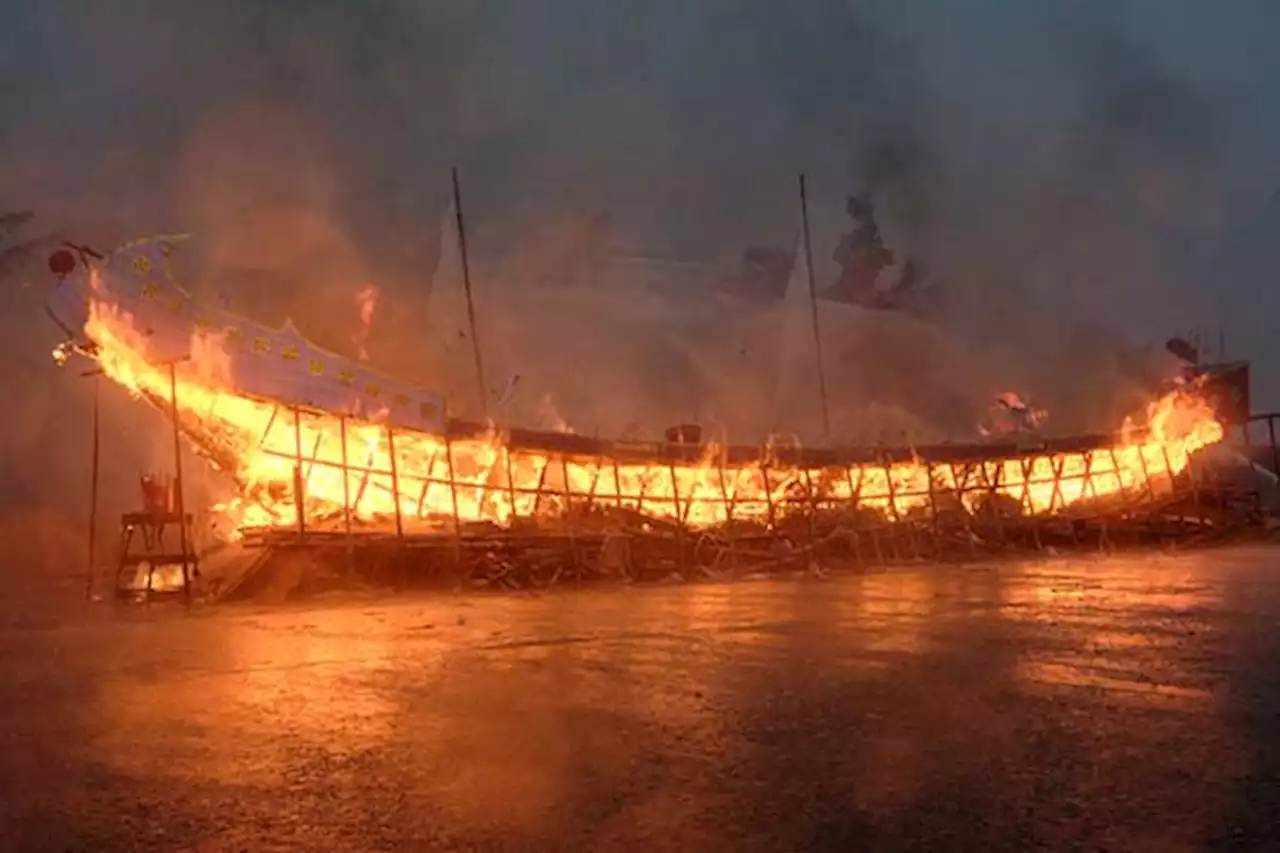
(471, 309)
(813, 306)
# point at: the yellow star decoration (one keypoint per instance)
(261, 346)
(316, 367)
(150, 290)
(373, 389)
(346, 378)
(202, 322)
(234, 335)
(175, 306)
(142, 264)
(290, 353)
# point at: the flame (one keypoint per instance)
(366, 301)
(286, 463)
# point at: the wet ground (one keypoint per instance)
(1128, 704)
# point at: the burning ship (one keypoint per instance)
(332, 456)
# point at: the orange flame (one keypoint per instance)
(320, 464)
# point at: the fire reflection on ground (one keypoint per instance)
(305, 681)
(1062, 705)
(1126, 629)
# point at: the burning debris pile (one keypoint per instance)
(323, 449)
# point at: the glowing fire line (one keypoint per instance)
(264, 446)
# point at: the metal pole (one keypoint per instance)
(1146, 474)
(466, 284)
(395, 482)
(511, 481)
(568, 517)
(728, 506)
(768, 494)
(811, 511)
(993, 489)
(886, 464)
(299, 500)
(933, 509)
(680, 516)
(177, 470)
(1271, 439)
(93, 490)
(346, 490)
(395, 492)
(1028, 466)
(453, 491)
(813, 305)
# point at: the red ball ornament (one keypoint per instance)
(62, 262)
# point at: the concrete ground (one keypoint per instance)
(1128, 703)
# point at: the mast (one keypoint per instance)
(471, 310)
(813, 306)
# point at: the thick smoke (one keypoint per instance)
(1081, 178)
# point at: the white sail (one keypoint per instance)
(281, 365)
(446, 309)
(446, 282)
(797, 355)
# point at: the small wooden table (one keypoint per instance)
(143, 543)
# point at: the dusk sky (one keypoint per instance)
(1142, 130)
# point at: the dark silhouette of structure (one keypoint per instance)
(863, 257)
